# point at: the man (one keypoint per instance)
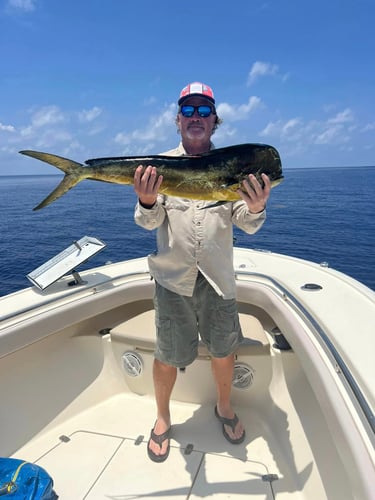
(193, 270)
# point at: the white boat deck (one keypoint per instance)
(101, 454)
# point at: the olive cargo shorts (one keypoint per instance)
(180, 320)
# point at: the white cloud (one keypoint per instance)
(51, 137)
(224, 134)
(335, 130)
(342, 117)
(288, 131)
(88, 115)
(233, 113)
(260, 69)
(26, 5)
(73, 147)
(157, 129)
(291, 125)
(291, 130)
(51, 128)
(47, 115)
(6, 128)
(328, 136)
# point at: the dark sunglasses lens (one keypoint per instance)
(187, 111)
(204, 111)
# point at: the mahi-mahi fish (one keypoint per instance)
(213, 176)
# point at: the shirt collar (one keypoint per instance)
(182, 151)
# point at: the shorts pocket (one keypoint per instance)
(226, 335)
(165, 339)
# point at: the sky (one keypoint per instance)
(96, 78)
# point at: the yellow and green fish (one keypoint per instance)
(212, 176)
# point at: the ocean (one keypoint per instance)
(318, 214)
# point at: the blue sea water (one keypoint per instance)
(319, 214)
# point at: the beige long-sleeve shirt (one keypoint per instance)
(190, 240)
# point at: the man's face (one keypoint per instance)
(195, 127)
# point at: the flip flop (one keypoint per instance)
(232, 422)
(159, 439)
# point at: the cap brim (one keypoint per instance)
(186, 97)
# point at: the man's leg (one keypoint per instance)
(222, 369)
(164, 380)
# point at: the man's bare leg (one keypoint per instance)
(164, 380)
(222, 369)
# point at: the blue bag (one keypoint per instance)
(21, 480)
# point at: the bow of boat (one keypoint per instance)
(77, 391)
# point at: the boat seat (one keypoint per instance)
(140, 332)
(137, 335)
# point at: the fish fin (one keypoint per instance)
(216, 204)
(65, 185)
(74, 173)
(67, 166)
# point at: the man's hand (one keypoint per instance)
(147, 184)
(255, 196)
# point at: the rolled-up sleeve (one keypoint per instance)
(245, 220)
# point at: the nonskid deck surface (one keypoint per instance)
(102, 454)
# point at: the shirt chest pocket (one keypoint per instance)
(178, 205)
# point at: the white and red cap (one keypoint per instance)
(196, 89)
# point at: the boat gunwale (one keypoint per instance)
(87, 290)
(335, 357)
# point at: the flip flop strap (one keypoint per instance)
(160, 438)
(232, 422)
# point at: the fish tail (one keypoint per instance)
(74, 173)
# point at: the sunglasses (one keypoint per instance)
(203, 110)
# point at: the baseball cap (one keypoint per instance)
(196, 89)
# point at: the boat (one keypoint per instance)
(77, 392)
